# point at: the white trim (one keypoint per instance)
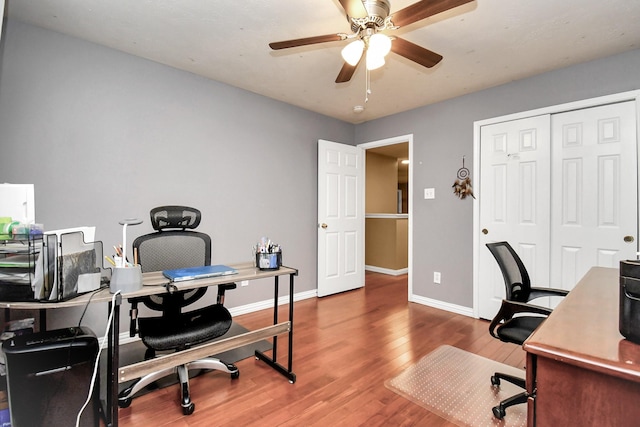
(387, 216)
(387, 271)
(398, 140)
(554, 109)
(266, 304)
(561, 108)
(441, 305)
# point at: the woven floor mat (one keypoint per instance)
(456, 385)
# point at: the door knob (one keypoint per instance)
(629, 239)
(485, 231)
(324, 226)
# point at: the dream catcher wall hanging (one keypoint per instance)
(462, 186)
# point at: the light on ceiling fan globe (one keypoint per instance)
(353, 52)
(380, 44)
(374, 61)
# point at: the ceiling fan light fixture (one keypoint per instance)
(353, 52)
(379, 44)
(374, 61)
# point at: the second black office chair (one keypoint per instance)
(512, 329)
(176, 245)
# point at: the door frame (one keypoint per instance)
(391, 141)
(561, 108)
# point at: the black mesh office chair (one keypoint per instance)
(516, 329)
(514, 323)
(516, 279)
(175, 245)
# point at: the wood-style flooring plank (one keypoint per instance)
(345, 347)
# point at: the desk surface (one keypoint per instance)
(154, 283)
(583, 329)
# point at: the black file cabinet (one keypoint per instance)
(49, 375)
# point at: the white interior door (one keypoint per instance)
(514, 202)
(594, 220)
(340, 217)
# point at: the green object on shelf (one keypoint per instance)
(6, 225)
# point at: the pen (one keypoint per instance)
(112, 262)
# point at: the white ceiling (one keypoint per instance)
(484, 43)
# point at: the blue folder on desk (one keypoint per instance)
(192, 273)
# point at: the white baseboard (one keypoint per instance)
(386, 270)
(262, 305)
(458, 309)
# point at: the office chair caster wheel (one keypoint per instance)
(495, 380)
(498, 412)
(235, 375)
(124, 397)
(188, 410)
(124, 403)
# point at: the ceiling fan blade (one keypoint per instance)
(415, 53)
(306, 41)
(354, 8)
(423, 9)
(346, 72)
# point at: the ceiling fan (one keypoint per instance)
(369, 19)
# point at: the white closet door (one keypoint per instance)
(514, 202)
(594, 215)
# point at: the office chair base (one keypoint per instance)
(495, 379)
(126, 396)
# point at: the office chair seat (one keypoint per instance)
(191, 328)
(518, 329)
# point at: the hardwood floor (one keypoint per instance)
(345, 347)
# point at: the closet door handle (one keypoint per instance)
(629, 239)
(324, 226)
(485, 231)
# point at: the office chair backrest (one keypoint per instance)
(173, 245)
(516, 278)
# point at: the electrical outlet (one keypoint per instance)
(429, 193)
(436, 277)
(244, 283)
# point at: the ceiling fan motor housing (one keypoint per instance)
(377, 11)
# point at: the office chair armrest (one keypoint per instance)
(546, 292)
(133, 318)
(222, 289)
(509, 308)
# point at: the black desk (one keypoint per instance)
(155, 283)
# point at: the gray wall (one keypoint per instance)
(443, 133)
(105, 136)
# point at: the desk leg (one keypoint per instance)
(287, 372)
(290, 365)
(275, 317)
(113, 363)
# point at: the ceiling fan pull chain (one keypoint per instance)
(368, 86)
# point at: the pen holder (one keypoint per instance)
(126, 279)
(268, 260)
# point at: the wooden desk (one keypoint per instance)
(582, 370)
(155, 283)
